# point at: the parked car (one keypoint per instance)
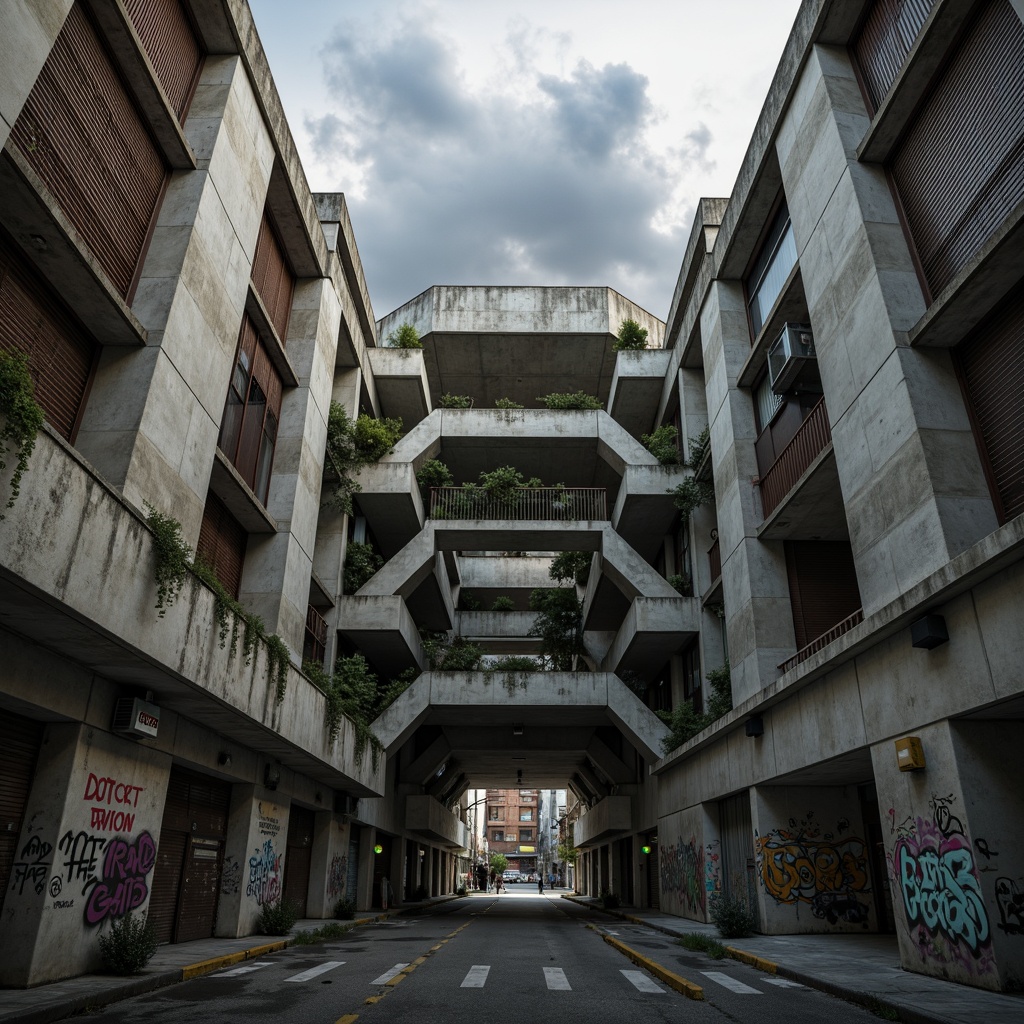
(511, 875)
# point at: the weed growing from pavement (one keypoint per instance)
(325, 933)
(704, 944)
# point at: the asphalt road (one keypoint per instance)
(514, 957)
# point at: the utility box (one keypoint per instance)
(909, 754)
(792, 361)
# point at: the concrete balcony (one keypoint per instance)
(637, 384)
(610, 817)
(401, 379)
(653, 630)
(430, 819)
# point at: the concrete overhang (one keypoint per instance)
(653, 630)
(389, 497)
(81, 595)
(499, 632)
(813, 509)
(644, 509)
(636, 387)
(425, 817)
(383, 629)
(608, 817)
(402, 388)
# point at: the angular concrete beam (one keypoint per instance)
(636, 388)
(402, 386)
(383, 630)
(428, 764)
(613, 766)
(644, 508)
(611, 816)
(654, 629)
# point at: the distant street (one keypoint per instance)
(516, 956)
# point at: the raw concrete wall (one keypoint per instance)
(689, 863)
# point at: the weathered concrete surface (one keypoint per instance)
(425, 816)
(609, 817)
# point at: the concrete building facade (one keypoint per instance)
(846, 567)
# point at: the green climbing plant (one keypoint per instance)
(22, 418)
(699, 447)
(361, 563)
(558, 625)
(690, 494)
(352, 444)
(684, 721)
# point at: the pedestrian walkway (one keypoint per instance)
(861, 968)
(170, 964)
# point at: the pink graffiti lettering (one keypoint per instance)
(112, 821)
(123, 885)
(110, 791)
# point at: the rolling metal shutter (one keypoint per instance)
(991, 365)
(20, 739)
(82, 135)
(166, 32)
(960, 169)
(272, 278)
(61, 355)
(352, 878)
(885, 40)
(298, 857)
(184, 893)
(222, 542)
(822, 586)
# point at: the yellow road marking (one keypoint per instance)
(670, 978)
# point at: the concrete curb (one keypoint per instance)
(670, 978)
(197, 970)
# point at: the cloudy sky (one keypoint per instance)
(526, 141)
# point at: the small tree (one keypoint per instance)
(498, 862)
(405, 336)
(631, 336)
(663, 444)
(559, 625)
(571, 567)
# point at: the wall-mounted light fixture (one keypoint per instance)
(272, 776)
(928, 632)
(517, 730)
(224, 759)
(755, 726)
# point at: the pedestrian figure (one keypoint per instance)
(494, 881)
(540, 884)
(385, 893)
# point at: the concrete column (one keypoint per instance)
(86, 853)
(912, 482)
(365, 888)
(257, 840)
(30, 30)
(275, 579)
(328, 869)
(813, 861)
(397, 871)
(153, 415)
(759, 617)
(953, 839)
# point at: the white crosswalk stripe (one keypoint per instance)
(388, 975)
(556, 979)
(244, 969)
(731, 983)
(783, 982)
(641, 982)
(315, 972)
(477, 977)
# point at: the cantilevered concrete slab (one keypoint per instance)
(636, 388)
(401, 380)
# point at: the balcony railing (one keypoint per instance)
(562, 504)
(824, 640)
(807, 444)
(315, 646)
(714, 561)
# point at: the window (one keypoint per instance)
(768, 275)
(248, 433)
(691, 678)
(526, 835)
(526, 794)
(498, 837)
(272, 278)
(510, 837)
(494, 814)
(526, 814)
(767, 403)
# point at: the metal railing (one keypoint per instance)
(315, 646)
(715, 561)
(807, 444)
(562, 504)
(824, 640)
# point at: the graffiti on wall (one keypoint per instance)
(712, 870)
(932, 866)
(113, 803)
(1010, 898)
(827, 871)
(264, 874)
(33, 867)
(337, 876)
(682, 873)
(231, 876)
(123, 885)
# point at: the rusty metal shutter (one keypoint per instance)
(169, 39)
(298, 857)
(20, 739)
(61, 356)
(991, 366)
(184, 893)
(83, 136)
(272, 278)
(222, 542)
(885, 39)
(653, 873)
(960, 169)
(822, 586)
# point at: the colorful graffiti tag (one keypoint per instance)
(712, 870)
(933, 868)
(801, 865)
(682, 873)
(123, 885)
(1010, 897)
(264, 874)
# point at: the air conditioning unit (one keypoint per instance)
(135, 717)
(792, 363)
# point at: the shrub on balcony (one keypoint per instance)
(406, 336)
(361, 563)
(450, 401)
(507, 403)
(571, 400)
(450, 654)
(663, 444)
(21, 416)
(504, 603)
(468, 601)
(352, 444)
(685, 722)
(631, 336)
(571, 567)
(516, 663)
(558, 625)
(434, 473)
(699, 447)
(689, 495)
(681, 583)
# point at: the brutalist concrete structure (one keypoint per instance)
(848, 326)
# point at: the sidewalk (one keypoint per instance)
(170, 964)
(863, 969)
